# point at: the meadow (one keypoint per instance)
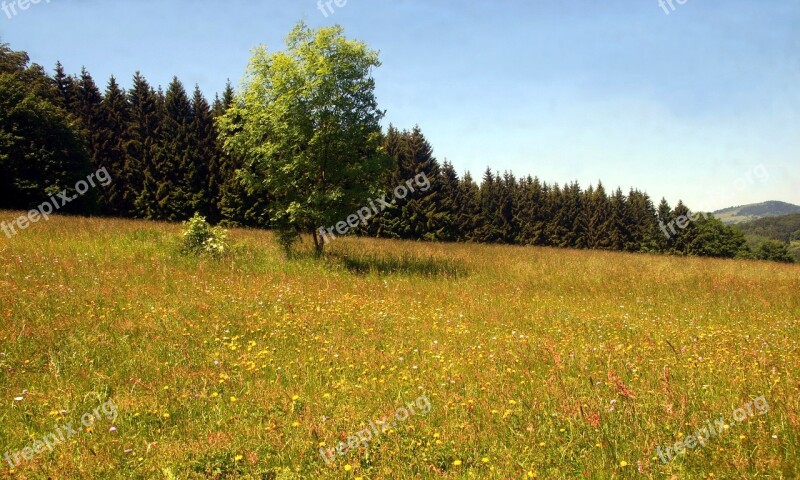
(537, 362)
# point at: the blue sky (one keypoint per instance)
(679, 105)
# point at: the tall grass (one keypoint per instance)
(539, 363)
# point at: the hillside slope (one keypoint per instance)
(536, 362)
(754, 211)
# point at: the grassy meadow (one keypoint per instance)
(538, 363)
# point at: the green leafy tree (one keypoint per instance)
(41, 148)
(307, 126)
(774, 251)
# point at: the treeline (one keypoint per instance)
(784, 227)
(528, 211)
(165, 156)
(775, 238)
(160, 148)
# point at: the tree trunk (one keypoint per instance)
(319, 245)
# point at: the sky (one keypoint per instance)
(699, 103)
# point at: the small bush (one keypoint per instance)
(200, 238)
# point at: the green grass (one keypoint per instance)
(537, 362)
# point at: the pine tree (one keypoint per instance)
(141, 149)
(67, 87)
(665, 234)
(530, 215)
(598, 212)
(449, 205)
(469, 220)
(175, 158)
(88, 104)
(618, 229)
(111, 150)
(685, 230)
(642, 221)
(205, 159)
(422, 217)
(488, 231)
(221, 105)
(576, 221)
(506, 198)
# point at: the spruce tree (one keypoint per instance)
(203, 172)
(175, 156)
(449, 204)
(88, 104)
(469, 220)
(488, 232)
(111, 150)
(141, 149)
(598, 212)
(666, 237)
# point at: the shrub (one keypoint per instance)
(200, 238)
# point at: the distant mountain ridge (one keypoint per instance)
(754, 211)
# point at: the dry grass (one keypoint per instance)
(538, 362)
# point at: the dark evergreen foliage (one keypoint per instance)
(165, 158)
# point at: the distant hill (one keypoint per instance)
(754, 211)
(785, 228)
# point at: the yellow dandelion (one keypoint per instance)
(234, 399)
(623, 463)
(456, 463)
(237, 458)
(347, 468)
(485, 459)
(295, 398)
(295, 424)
